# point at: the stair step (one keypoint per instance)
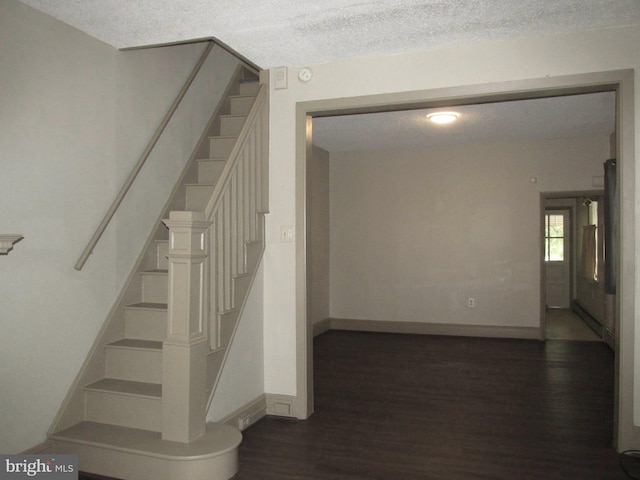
(250, 87)
(146, 321)
(220, 147)
(134, 360)
(209, 170)
(155, 286)
(122, 452)
(198, 196)
(241, 104)
(230, 125)
(124, 403)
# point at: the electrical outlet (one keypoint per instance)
(243, 422)
(471, 302)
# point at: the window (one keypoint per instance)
(554, 237)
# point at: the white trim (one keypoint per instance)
(321, 327)
(248, 414)
(280, 405)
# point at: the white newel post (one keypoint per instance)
(184, 353)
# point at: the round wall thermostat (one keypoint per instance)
(305, 74)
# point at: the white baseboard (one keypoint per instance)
(44, 447)
(321, 327)
(435, 328)
(248, 414)
(280, 405)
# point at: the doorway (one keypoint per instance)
(607, 81)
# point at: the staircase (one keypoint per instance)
(134, 412)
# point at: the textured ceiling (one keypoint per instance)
(540, 119)
(294, 32)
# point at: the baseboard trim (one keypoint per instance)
(248, 414)
(321, 327)
(44, 447)
(280, 405)
(458, 330)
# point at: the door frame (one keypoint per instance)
(626, 390)
(544, 196)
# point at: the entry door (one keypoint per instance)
(557, 258)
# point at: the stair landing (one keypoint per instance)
(131, 453)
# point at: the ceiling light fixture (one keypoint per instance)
(443, 117)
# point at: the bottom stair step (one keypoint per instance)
(130, 453)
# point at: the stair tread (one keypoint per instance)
(128, 387)
(218, 439)
(136, 343)
(155, 271)
(148, 306)
(226, 137)
(212, 160)
(233, 115)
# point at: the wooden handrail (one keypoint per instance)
(145, 154)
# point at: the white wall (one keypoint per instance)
(75, 115)
(456, 70)
(417, 233)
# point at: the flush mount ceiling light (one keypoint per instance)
(443, 117)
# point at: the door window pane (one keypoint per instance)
(554, 238)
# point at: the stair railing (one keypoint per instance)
(206, 257)
(152, 143)
(240, 194)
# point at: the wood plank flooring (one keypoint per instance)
(417, 407)
(426, 407)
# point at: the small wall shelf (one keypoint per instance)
(7, 241)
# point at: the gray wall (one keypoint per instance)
(414, 234)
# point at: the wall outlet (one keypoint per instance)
(244, 422)
(471, 303)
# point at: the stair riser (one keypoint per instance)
(249, 88)
(209, 172)
(241, 105)
(136, 365)
(198, 196)
(231, 126)
(117, 463)
(124, 410)
(155, 288)
(220, 147)
(146, 324)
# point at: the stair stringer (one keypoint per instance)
(72, 410)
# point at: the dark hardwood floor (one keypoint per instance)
(417, 407)
(427, 407)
